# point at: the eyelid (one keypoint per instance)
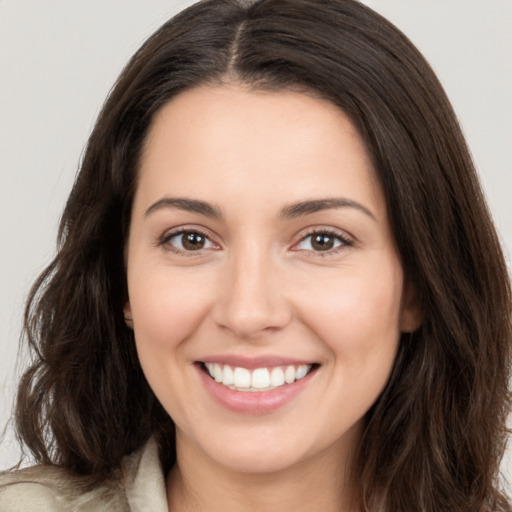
(346, 239)
(193, 228)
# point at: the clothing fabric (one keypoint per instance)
(139, 486)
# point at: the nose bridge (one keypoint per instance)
(252, 299)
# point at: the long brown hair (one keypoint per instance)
(435, 437)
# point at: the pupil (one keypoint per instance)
(193, 241)
(322, 242)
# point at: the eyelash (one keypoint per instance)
(344, 241)
(166, 238)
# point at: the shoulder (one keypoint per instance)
(52, 489)
(137, 486)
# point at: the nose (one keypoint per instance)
(251, 299)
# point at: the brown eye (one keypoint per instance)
(187, 241)
(193, 241)
(322, 242)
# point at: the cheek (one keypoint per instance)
(166, 309)
(166, 305)
(356, 315)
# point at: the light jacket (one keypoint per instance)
(138, 487)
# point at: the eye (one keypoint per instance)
(323, 241)
(188, 241)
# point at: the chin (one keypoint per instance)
(257, 461)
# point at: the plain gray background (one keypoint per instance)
(59, 58)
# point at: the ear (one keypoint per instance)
(128, 318)
(411, 316)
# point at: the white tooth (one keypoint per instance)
(242, 378)
(302, 371)
(289, 375)
(277, 377)
(217, 372)
(260, 378)
(209, 367)
(227, 376)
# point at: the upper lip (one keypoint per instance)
(263, 361)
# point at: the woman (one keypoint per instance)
(277, 287)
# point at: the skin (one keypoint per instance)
(259, 287)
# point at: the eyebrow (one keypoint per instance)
(294, 210)
(188, 205)
(317, 205)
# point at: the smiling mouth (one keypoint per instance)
(258, 379)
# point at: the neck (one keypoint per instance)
(199, 484)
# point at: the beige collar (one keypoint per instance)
(144, 480)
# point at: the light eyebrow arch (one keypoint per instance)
(303, 208)
(188, 205)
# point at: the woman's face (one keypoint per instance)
(265, 291)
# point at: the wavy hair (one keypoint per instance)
(434, 438)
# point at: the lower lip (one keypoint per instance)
(257, 402)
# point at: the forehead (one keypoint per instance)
(246, 145)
